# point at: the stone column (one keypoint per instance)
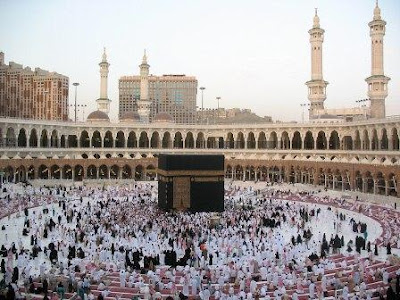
(397, 187)
(386, 188)
(390, 143)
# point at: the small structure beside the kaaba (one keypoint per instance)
(191, 182)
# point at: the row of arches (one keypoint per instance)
(334, 179)
(79, 172)
(331, 178)
(361, 140)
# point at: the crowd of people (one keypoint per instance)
(77, 238)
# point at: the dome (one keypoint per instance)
(130, 116)
(163, 117)
(98, 116)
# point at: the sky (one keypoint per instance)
(253, 54)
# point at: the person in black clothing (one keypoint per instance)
(45, 285)
(10, 292)
(3, 266)
(376, 249)
(53, 256)
(390, 295)
(388, 249)
(15, 275)
(3, 251)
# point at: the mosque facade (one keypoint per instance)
(359, 154)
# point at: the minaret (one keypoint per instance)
(377, 82)
(103, 103)
(317, 85)
(144, 102)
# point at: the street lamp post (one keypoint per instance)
(218, 98)
(302, 112)
(202, 88)
(75, 84)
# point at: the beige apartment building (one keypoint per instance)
(27, 94)
(172, 94)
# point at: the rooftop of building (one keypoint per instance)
(159, 77)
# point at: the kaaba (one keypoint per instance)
(191, 182)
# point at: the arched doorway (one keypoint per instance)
(44, 140)
(79, 172)
(155, 140)
(114, 172)
(143, 140)
(321, 140)
(108, 140)
(132, 141)
(178, 141)
(96, 140)
(126, 172)
(309, 141)
(189, 140)
(334, 141)
(296, 140)
(262, 140)
(251, 141)
(166, 141)
(139, 172)
(84, 139)
(120, 140)
(33, 139)
(22, 138)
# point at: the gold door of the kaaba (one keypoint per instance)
(181, 193)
